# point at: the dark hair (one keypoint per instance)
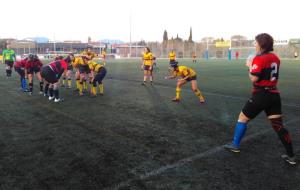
(265, 41)
(148, 49)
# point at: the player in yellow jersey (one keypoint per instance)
(89, 53)
(84, 72)
(187, 75)
(103, 55)
(98, 73)
(76, 62)
(147, 65)
(172, 56)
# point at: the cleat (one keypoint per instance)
(176, 100)
(80, 94)
(143, 83)
(58, 100)
(151, 82)
(51, 98)
(76, 90)
(101, 94)
(232, 148)
(289, 160)
(93, 96)
(41, 92)
(25, 90)
(30, 93)
(45, 95)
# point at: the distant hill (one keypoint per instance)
(38, 39)
(110, 41)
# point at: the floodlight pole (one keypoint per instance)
(130, 35)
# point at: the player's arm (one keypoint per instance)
(173, 76)
(186, 73)
(3, 55)
(151, 61)
(255, 70)
(253, 78)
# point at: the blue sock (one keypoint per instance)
(24, 84)
(239, 132)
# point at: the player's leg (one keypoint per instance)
(56, 92)
(69, 78)
(145, 75)
(51, 91)
(100, 76)
(274, 115)
(197, 91)
(30, 82)
(38, 74)
(251, 109)
(64, 80)
(9, 65)
(150, 72)
(180, 83)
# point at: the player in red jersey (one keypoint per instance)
(19, 68)
(51, 75)
(264, 74)
(33, 65)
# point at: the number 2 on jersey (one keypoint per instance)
(274, 72)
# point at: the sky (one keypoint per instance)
(110, 19)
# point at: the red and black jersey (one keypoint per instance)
(266, 68)
(20, 64)
(58, 67)
(33, 64)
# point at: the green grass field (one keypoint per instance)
(134, 137)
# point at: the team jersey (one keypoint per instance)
(58, 67)
(33, 64)
(266, 68)
(172, 56)
(147, 57)
(94, 66)
(77, 61)
(8, 55)
(90, 54)
(20, 64)
(183, 71)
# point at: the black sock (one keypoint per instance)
(56, 95)
(46, 89)
(283, 135)
(41, 86)
(51, 92)
(30, 87)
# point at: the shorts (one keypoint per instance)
(191, 78)
(49, 75)
(33, 70)
(84, 69)
(20, 71)
(100, 76)
(9, 63)
(263, 100)
(147, 68)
